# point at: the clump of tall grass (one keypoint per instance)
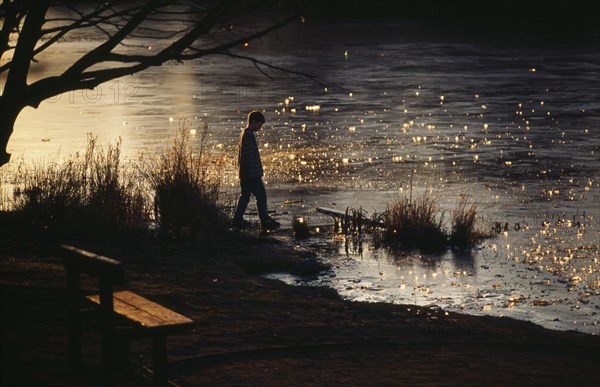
(415, 223)
(185, 185)
(88, 190)
(114, 194)
(50, 193)
(464, 224)
(418, 223)
(179, 190)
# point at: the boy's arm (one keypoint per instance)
(249, 156)
(245, 151)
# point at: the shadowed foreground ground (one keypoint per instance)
(252, 331)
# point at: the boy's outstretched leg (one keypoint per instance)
(259, 191)
(238, 217)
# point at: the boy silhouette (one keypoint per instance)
(250, 174)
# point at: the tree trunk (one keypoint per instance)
(13, 97)
(9, 110)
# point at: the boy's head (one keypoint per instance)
(255, 120)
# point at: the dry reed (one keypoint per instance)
(464, 224)
(88, 190)
(179, 190)
(414, 224)
(186, 188)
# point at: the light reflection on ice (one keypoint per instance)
(494, 278)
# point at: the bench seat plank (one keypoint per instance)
(145, 312)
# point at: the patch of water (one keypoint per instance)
(494, 278)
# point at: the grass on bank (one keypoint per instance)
(85, 190)
(94, 191)
(186, 190)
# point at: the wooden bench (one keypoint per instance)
(144, 317)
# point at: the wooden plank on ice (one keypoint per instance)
(342, 215)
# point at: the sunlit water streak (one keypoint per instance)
(515, 126)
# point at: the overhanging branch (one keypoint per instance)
(257, 63)
(99, 54)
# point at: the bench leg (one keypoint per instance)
(73, 320)
(123, 346)
(159, 352)
(108, 332)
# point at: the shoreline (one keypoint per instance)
(254, 331)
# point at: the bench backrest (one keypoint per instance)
(82, 261)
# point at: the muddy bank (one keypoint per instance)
(253, 331)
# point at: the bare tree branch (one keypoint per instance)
(17, 79)
(257, 63)
(62, 31)
(197, 52)
(99, 53)
(12, 14)
(176, 30)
